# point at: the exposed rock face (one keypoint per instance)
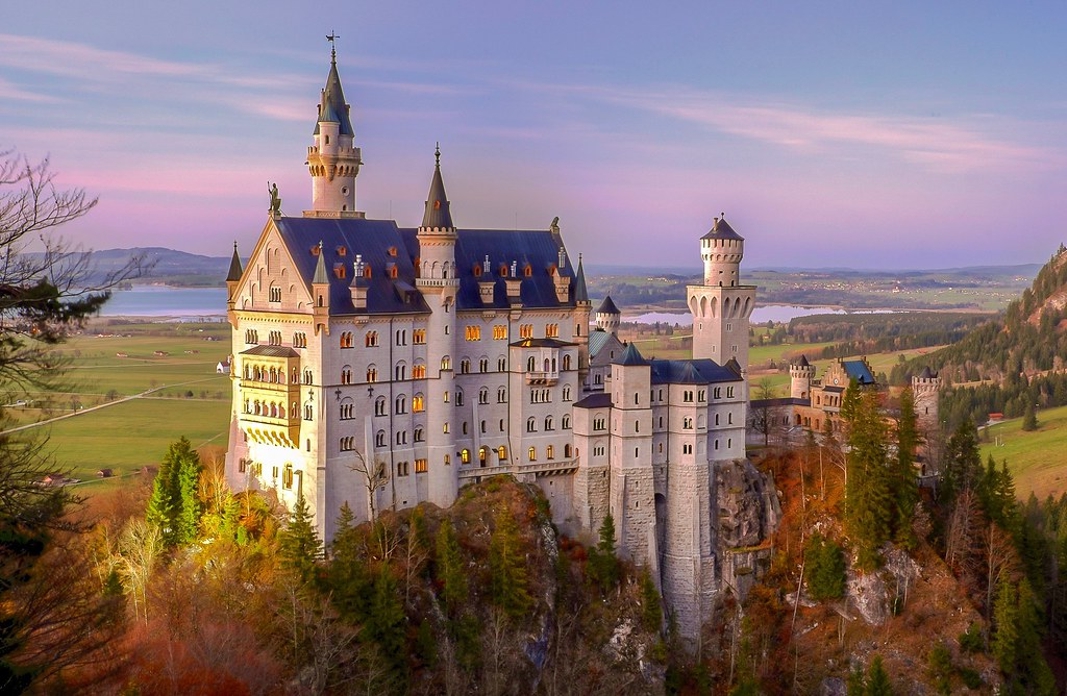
(874, 595)
(749, 513)
(748, 507)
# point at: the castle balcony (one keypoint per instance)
(271, 430)
(547, 378)
(436, 282)
(548, 468)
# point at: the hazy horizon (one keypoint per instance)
(867, 137)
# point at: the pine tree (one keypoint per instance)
(449, 569)
(905, 486)
(1029, 419)
(1006, 618)
(870, 502)
(825, 567)
(384, 624)
(603, 564)
(187, 520)
(507, 568)
(174, 506)
(298, 544)
(962, 465)
(878, 683)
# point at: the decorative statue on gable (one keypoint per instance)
(275, 199)
(554, 227)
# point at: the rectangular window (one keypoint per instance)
(420, 466)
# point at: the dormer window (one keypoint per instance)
(342, 250)
(527, 271)
(392, 251)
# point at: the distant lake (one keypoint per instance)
(162, 301)
(760, 315)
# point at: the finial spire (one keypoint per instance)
(437, 154)
(332, 37)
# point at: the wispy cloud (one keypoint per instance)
(13, 92)
(958, 144)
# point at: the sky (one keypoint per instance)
(864, 135)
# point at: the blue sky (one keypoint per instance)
(903, 135)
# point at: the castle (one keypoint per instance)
(383, 366)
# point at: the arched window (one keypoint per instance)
(483, 455)
(531, 364)
(567, 449)
(567, 392)
(566, 421)
(418, 403)
(483, 365)
(401, 404)
(502, 365)
(379, 406)
(464, 366)
(531, 425)
(532, 454)
(379, 438)
(372, 373)
(346, 375)
(371, 339)
(501, 395)
(418, 435)
(566, 362)
(465, 456)
(548, 423)
(483, 395)
(446, 363)
(459, 397)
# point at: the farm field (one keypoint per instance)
(1036, 459)
(136, 433)
(174, 362)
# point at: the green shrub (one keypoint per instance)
(826, 568)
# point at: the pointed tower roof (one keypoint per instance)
(580, 293)
(235, 266)
(803, 362)
(320, 269)
(631, 356)
(332, 107)
(722, 230)
(608, 307)
(437, 213)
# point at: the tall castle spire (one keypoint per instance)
(437, 214)
(333, 160)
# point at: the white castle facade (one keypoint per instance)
(382, 367)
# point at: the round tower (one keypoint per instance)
(926, 386)
(333, 160)
(438, 284)
(800, 375)
(722, 251)
(608, 317)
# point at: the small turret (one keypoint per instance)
(722, 251)
(926, 386)
(801, 373)
(232, 280)
(608, 317)
(320, 291)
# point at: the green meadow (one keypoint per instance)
(1036, 459)
(174, 363)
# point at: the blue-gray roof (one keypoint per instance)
(596, 400)
(608, 307)
(580, 293)
(374, 240)
(536, 249)
(631, 356)
(858, 370)
(333, 107)
(722, 230)
(598, 338)
(236, 271)
(702, 371)
(437, 214)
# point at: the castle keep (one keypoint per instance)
(383, 366)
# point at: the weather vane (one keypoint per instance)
(332, 37)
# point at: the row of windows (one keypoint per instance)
(274, 338)
(531, 423)
(271, 409)
(400, 405)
